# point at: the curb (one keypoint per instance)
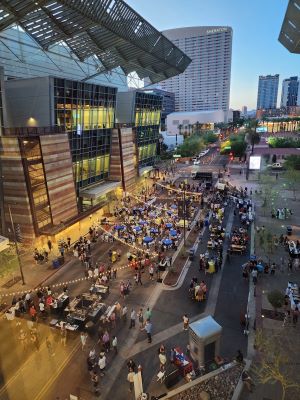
(196, 244)
(240, 386)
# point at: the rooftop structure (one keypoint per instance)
(110, 31)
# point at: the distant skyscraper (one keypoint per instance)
(267, 91)
(290, 94)
(244, 111)
(205, 85)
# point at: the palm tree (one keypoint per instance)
(252, 136)
(180, 131)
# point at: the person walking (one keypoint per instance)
(124, 313)
(185, 322)
(102, 363)
(254, 275)
(151, 272)
(141, 318)
(49, 347)
(95, 382)
(132, 319)
(115, 344)
(130, 379)
(148, 314)
(63, 336)
(83, 339)
(148, 329)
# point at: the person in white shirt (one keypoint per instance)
(102, 363)
(132, 319)
(42, 307)
(115, 344)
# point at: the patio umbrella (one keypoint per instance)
(119, 227)
(153, 230)
(143, 222)
(147, 239)
(260, 267)
(167, 242)
(137, 228)
(169, 225)
(174, 206)
(173, 232)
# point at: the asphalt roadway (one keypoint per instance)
(37, 375)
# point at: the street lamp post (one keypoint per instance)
(184, 214)
(16, 245)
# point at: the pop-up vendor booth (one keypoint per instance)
(204, 340)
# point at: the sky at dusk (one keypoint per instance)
(256, 25)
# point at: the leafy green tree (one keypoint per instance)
(293, 162)
(191, 146)
(283, 142)
(274, 362)
(238, 148)
(292, 180)
(276, 299)
(267, 192)
(209, 137)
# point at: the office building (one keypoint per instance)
(244, 111)
(168, 104)
(236, 115)
(267, 92)
(142, 111)
(289, 35)
(290, 93)
(63, 153)
(205, 84)
(186, 123)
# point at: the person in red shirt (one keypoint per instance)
(32, 312)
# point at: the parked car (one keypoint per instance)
(196, 162)
(276, 165)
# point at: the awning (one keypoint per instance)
(99, 190)
(145, 170)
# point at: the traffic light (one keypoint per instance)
(18, 233)
(231, 156)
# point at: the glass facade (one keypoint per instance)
(87, 112)
(147, 121)
(34, 169)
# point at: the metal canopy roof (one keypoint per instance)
(108, 29)
(290, 31)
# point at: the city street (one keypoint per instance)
(227, 299)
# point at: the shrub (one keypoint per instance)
(276, 299)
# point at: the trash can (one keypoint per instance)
(55, 263)
(61, 260)
(191, 254)
(289, 230)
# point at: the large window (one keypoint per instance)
(87, 112)
(148, 108)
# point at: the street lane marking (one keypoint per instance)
(53, 378)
